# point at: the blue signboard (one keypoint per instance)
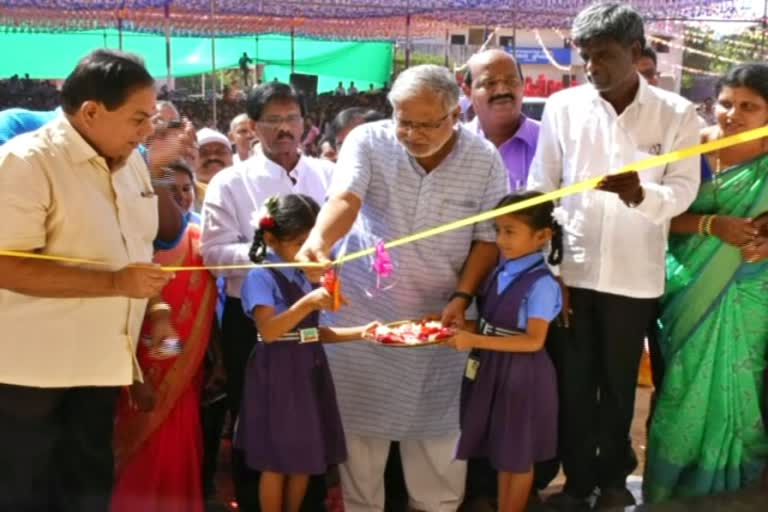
(535, 55)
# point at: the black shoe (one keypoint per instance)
(564, 502)
(615, 498)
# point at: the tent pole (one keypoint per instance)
(120, 33)
(213, 64)
(448, 47)
(256, 61)
(762, 36)
(169, 75)
(293, 49)
(407, 40)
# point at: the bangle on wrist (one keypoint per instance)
(702, 221)
(463, 295)
(160, 306)
(708, 225)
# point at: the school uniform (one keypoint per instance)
(509, 399)
(289, 418)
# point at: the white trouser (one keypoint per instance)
(435, 481)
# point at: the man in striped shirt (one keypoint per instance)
(394, 178)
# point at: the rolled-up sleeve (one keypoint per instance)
(681, 180)
(25, 199)
(221, 242)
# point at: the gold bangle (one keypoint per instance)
(702, 221)
(160, 306)
(708, 226)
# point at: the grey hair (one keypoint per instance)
(426, 77)
(616, 21)
(165, 103)
(237, 119)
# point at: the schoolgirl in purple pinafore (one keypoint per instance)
(289, 420)
(509, 399)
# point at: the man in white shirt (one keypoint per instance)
(276, 115)
(242, 136)
(615, 239)
(76, 187)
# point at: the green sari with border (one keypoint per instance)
(708, 433)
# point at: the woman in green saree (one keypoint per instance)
(708, 431)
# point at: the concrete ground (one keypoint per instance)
(746, 501)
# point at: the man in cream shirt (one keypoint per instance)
(78, 188)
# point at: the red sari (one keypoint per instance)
(159, 454)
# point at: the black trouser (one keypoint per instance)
(598, 381)
(237, 340)
(395, 490)
(658, 366)
(482, 478)
(56, 448)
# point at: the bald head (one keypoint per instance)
(494, 57)
(241, 134)
(496, 90)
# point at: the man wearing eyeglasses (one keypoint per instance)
(393, 178)
(276, 114)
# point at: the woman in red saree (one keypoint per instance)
(159, 453)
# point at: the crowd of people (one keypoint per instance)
(137, 322)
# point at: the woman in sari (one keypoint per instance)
(158, 438)
(708, 431)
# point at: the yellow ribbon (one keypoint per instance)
(641, 165)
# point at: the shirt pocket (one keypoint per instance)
(456, 209)
(139, 222)
(652, 174)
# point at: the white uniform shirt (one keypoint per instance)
(610, 247)
(236, 193)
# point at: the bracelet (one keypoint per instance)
(708, 225)
(463, 295)
(702, 221)
(162, 182)
(160, 306)
(165, 178)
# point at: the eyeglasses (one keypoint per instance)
(419, 127)
(276, 121)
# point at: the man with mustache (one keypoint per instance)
(276, 115)
(495, 85)
(214, 154)
(396, 177)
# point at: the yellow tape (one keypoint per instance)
(583, 186)
(641, 165)
(63, 259)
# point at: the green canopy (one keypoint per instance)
(53, 55)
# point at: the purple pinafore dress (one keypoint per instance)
(289, 420)
(508, 399)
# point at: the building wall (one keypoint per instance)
(668, 63)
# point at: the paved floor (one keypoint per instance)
(747, 501)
